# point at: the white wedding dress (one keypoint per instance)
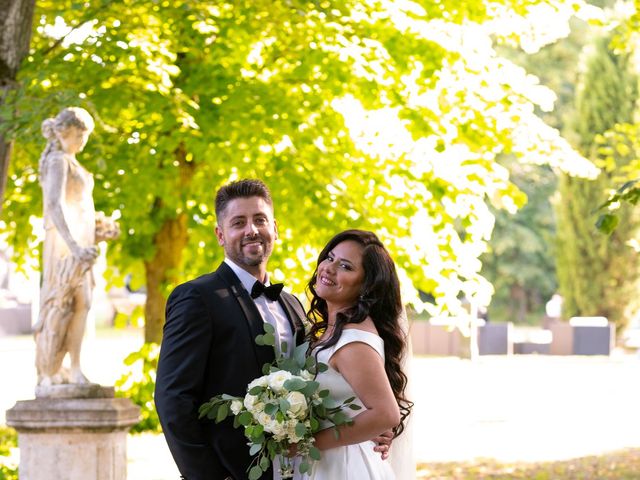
(358, 461)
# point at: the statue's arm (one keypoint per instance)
(53, 180)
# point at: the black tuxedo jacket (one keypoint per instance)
(209, 348)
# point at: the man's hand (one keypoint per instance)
(383, 444)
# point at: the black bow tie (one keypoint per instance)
(272, 292)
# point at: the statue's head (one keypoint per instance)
(71, 128)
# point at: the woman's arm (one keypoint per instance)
(363, 368)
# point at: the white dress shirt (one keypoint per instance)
(270, 310)
(272, 313)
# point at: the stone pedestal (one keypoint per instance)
(73, 438)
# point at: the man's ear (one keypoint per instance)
(219, 236)
(275, 229)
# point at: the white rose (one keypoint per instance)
(291, 431)
(236, 406)
(278, 429)
(252, 403)
(271, 425)
(258, 382)
(277, 379)
(264, 420)
(297, 404)
(306, 375)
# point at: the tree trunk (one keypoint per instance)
(518, 302)
(5, 156)
(164, 268)
(16, 19)
(161, 270)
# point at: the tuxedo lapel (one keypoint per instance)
(295, 314)
(250, 314)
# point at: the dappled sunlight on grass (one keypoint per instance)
(619, 465)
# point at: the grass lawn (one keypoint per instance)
(619, 465)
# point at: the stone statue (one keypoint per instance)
(72, 231)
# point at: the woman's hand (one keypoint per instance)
(293, 450)
(86, 255)
(383, 444)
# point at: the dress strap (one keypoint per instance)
(351, 335)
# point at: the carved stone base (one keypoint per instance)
(74, 390)
(73, 438)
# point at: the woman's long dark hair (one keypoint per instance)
(379, 299)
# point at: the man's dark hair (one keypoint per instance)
(248, 187)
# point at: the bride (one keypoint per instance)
(356, 310)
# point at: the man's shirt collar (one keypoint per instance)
(245, 277)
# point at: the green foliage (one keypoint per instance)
(624, 139)
(8, 441)
(598, 275)
(8, 472)
(520, 261)
(138, 384)
(607, 95)
(374, 115)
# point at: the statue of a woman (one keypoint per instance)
(70, 249)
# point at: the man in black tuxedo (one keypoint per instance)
(209, 348)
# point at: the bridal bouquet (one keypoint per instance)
(283, 407)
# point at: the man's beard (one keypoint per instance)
(259, 258)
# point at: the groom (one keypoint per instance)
(209, 348)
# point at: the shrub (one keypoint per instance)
(8, 441)
(138, 384)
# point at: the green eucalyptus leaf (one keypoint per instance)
(212, 412)
(270, 409)
(268, 328)
(310, 363)
(329, 402)
(310, 388)
(295, 384)
(284, 405)
(322, 367)
(223, 412)
(269, 339)
(314, 453)
(300, 429)
(254, 449)
(257, 390)
(314, 425)
(255, 473)
(339, 418)
(245, 418)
